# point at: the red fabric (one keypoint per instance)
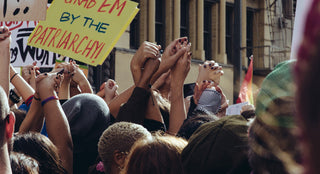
(245, 93)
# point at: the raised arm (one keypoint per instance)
(56, 121)
(170, 56)
(135, 108)
(24, 89)
(79, 78)
(5, 40)
(178, 74)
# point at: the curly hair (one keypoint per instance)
(119, 136)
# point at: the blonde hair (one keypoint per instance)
(119, 136)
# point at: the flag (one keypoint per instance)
(245, 94)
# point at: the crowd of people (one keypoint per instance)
(53, 122)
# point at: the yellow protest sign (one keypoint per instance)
(85, 30)
(23, 10)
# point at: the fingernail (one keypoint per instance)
(204, 66)
(161, 51)
(212, 68)
(209, 64)
(57, 77)
(180, 40)
(31, 68)
(190, 53)
(69, 72)
(45, 74)
(204, 81)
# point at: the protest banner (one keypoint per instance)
(21, 53)
(84, 30)
(23, 10)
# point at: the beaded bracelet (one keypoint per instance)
(48, 99)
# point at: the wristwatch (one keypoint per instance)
(14, 97)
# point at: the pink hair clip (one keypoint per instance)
(100, 167)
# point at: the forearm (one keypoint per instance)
(59, 131)
(157, 74)
(4, 70)
(64, 90)
(24, 89)
(134, 110)
(85, 86)
(114, 105)
(34, 118)
(153, 111)
(177, 111)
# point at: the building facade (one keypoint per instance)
(266, 33)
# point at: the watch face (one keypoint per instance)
(14, 97)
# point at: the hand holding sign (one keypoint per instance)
(23, 10)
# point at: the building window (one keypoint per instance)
(184, 20)
(229, 31)
(250, 14)
(160, 21)
(134, 31)
(287, 8)
(294, 4)
(207, 28)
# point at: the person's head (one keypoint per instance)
(20, 115)
(41, 149)
(158, 155)
(7, 119)
(23, 164)
(218, 147)
(88, 116)
(209, 102)
(116, 142)
(273, 145)
(190, 125)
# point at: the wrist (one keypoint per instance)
(46, 93)
(48, 99)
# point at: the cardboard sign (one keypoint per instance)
(83, 30)
(23, 10)
(23, 54)
(235, 109)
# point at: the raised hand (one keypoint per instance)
(108, 90)
(150, 67)
(224, 103)
(170, 56)
(29, 72)
(182, 67)
(210, 70)
(147, 50)
(48, 84)
(5, 37)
